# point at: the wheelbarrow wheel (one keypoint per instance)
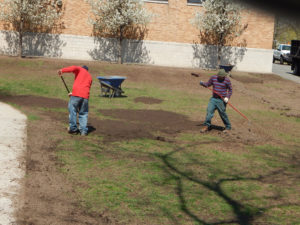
(117, 94)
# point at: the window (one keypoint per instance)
(156, 1)
(286, 47)
(198, 2)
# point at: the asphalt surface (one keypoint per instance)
(284, 71)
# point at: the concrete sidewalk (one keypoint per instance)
(12, 170)
(285, 72)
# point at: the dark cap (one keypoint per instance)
(85, 67)
(222, 73)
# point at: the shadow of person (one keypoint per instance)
(116, 96)
(91, 129)
(212, 127)
(215, 127)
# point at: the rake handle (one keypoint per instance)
(63, 80)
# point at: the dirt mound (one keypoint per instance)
(148, 100)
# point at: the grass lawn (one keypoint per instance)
(250, 176)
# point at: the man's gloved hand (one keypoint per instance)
(226, 99)
(201, 83)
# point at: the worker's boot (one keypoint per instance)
(204, 129)
(73, 131)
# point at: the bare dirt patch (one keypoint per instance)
(133, 124)
(148, 100)
(48, 197)
(34, 101)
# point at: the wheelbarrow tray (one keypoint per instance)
(114, 81)
(227, 68)
(111, 85)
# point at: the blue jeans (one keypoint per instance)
(217, 103)
(81, 106)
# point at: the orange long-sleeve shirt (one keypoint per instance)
(82, 82)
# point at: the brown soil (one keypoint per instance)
(50, 199)
(34, 101)
(148, 100)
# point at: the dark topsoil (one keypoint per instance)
(49, 198)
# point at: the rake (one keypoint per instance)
(65, 84)
(197, 75)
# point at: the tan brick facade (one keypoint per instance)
(172, 23)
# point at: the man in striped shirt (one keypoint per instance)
(222, 91)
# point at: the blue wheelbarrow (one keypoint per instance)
(111, 85)
(227, 68)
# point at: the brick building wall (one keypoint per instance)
(170, 40)
(172, 23)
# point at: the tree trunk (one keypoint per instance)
(20, 52)
(219, 55)
(120, 58)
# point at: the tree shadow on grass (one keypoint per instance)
(244, 213)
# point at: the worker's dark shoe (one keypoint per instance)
(204, 129)
(73, 131)
(226, 130)
(83, 134)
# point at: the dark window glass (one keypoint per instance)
(155, 0)
(195, 1)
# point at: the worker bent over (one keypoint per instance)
(79, 98)
(222, 91)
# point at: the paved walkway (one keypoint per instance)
(285, 72)
(12, 148)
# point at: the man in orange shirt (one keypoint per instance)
(79, 98)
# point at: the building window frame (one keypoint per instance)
(157, 1)
(190, 2)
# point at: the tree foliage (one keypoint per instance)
(116, 18)
(219, 23)
(29, 15)
(286, 30)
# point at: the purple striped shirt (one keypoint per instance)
(224, 87)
